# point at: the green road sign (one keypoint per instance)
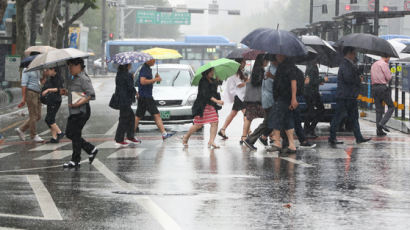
(154, 17)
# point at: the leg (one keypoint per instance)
(338, 117)
(228, 121)
(258, 132)
(136, 122)
(289, 134)
(131, 124)
(378, 101)
(73, 133)
(191, 130)
(353, 113)
(390, 105)
(213, 130)
(158, 122)
(122, 125)
(298, 125)
(246, 127)
(276, 138)
(320, 109)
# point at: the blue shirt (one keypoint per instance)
(267, 93)
(145, 90)
(31, 80)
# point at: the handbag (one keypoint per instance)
(45, 99)
(115, 101)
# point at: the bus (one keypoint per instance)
(196, 50)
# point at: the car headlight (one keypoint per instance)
(191, 99)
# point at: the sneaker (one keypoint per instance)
(380, 133)
(60, 136)
(121, 144)
(334, 141)
(133, 141)
(21, 134)
(37, 138)
(363, 140)
(92, 156)
(166, 136)
(263, 141)
(52, 141)
(249, 145)
(71, 164)
(307, 145)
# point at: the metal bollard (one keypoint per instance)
(396, 92)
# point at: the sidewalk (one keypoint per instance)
(402, 126)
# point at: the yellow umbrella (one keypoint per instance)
(161, 53)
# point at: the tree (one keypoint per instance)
(21, 28)
(3, 6)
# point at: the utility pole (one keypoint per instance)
(337, 8)
(122, 6)
(376, 17)
(311, 12)
(67, 17)
(103, 35)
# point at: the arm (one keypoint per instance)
(145, 81)
(294, 103)
(54, 90)
(386, 72)
(348, 75)
(23, 99)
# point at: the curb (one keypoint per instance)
(402, 126)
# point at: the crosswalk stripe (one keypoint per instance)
(127, 153)
(301, 163)
(55, 155)
(50, 146)
(2, 155)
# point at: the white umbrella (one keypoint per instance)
(39, 49)
(55, 58)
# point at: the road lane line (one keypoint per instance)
(127, 153)
(55, 155)
(2, 155)
(46, 202)
(45, 132)
(301, 163)
(31, 169)
(150, 206)
(112, 130)
(48, 147)
(6, 228)
(21, 216)
(12, 126)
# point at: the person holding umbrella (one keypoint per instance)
(126, 96)
(30, 89)
(314, 103)
(51, 96)
(348, 88)
(205, 107)
(146, 101)
(80, 92)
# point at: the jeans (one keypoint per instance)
(344, 106)
(126, 124)
(298, 128)
(262, 128)
(315, 110)
(75, 125)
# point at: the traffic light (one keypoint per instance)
(347, 7)
(111, 36)
(386, 9)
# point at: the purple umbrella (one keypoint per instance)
(125, 58)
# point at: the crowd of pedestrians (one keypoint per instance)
(272, 92)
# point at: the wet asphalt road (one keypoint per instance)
(162, 185)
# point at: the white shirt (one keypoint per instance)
(240, 92)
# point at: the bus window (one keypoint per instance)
(211, 53)
(194, 53)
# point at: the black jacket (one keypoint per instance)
(348, 81)
(286, 72)
(124, 87)
(206, 90)
(312, 71)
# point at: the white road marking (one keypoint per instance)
(387, 191)
(4, 228)
(21, 216)
(112, 130)
(49, 146)
(44, 133)
(127, 153)
(301, 163)
(2, 155)
(156, 212)
(55, 155)
(32, 169)
(3, 146)
(47, 205)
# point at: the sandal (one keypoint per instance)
(213, 146)
(184, 141)
(222, 134)
(243, 138)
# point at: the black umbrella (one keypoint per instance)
(406, 50)
(304, 60)
(275, 42)
(327, 55)
(368, 43)
(26, 61)
(237, 53)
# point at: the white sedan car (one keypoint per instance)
(174, 95)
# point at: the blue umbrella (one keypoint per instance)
(131, 57)
(275, 42)
(26, 61)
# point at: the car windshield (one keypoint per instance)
(173, 77)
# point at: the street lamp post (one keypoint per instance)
(376, 17)
(103, 35)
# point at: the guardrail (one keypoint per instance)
(366, 100)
